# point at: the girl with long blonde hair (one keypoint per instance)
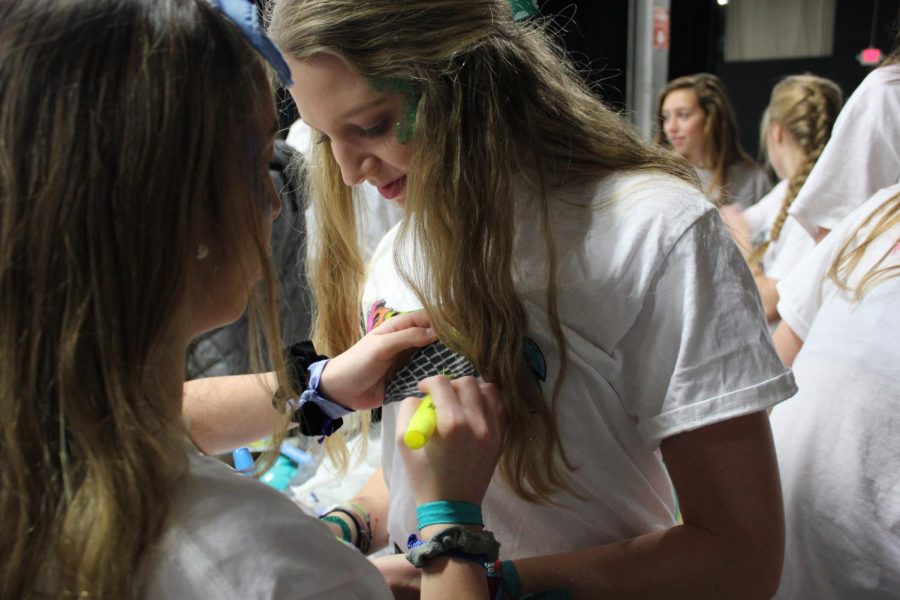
(135, 213)
(837, 440)
(566, 261)
(795, 128)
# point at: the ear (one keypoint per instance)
(777, 132)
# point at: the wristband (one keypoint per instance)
(346, 535)
(450, 513)
(363, 535)
(504, 584)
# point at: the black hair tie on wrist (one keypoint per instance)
(309, 416)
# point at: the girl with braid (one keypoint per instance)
(795, 128)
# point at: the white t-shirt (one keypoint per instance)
(793, 243)
(838, 439)
(745, 186)
(861, 157)
(230, 537)
(663, 338)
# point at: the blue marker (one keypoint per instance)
(243, 461)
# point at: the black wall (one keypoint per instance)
(596, 38)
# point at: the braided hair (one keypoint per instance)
(806, 106)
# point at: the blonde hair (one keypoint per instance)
(496, 103)
(115, 157)
(721, 141)
(806, 106)
(852, 251)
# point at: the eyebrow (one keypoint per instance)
(364, 107)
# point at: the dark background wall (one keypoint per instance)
(697, 41)
(595, 34)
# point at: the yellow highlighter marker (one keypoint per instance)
(421, 425)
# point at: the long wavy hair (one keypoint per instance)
(806, 107)
(119, 154)
(879, 222)
(721, 140)
(498, 105)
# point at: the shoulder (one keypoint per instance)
(742, 171)
(232, 537)
(653, 202)
(763, 212)
(878, 91)
(615, 229)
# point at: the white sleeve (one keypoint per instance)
(700, 350)
(861, 157)
(238, 540)
(801, 293)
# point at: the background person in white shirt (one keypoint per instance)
(862, 156)
(837, 439)
(696, 120)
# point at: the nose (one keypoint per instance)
(670, 126)
(355, 163)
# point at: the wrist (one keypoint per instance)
(430, 531)
(357, 521)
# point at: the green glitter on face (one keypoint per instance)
(405, 127)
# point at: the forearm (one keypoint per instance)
(768, 293)
(732, 542)
(227, 412)
(682, 562)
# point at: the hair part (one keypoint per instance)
(806, 107)
(500, 106)
(112, 149)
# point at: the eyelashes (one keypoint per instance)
(376, 131)
(373, 132)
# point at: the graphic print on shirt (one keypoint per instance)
(437, 359)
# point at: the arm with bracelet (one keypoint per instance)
(361, 522)
(450, 476)
(227, 412)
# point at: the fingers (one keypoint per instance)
(418, 318)
(466, 406)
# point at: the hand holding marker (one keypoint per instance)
(421, 425)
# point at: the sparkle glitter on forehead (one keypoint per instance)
(405, 127)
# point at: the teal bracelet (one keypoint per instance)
(448, 513)
(346, 535)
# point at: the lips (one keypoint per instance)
(393, 189)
